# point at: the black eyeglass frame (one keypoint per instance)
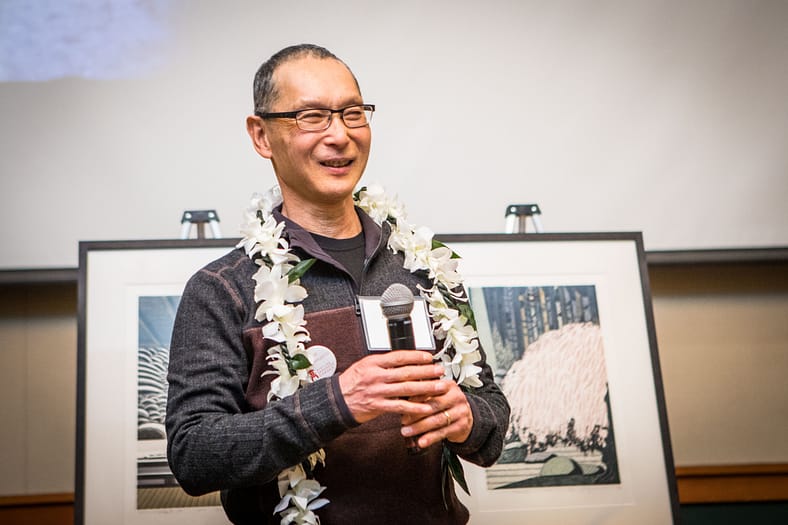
(341, 111)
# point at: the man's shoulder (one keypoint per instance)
(230, 259)
(234, 266)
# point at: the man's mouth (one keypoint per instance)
(336, 163)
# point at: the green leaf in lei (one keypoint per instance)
(299, 270)
(299, 362)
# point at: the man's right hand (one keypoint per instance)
(382, 383)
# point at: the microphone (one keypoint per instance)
(397, 304)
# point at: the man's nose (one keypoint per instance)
(337, 128)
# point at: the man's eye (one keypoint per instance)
(312, 116)
(353, 114)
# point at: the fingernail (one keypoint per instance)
(407, 431)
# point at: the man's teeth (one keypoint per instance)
(339, 163)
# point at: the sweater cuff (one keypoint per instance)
(344, 410)
(323, 410)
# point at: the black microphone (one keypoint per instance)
(397, 304)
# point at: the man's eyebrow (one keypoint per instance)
(313, 103)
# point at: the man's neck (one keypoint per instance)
(338, 222)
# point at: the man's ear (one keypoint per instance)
(257, 132)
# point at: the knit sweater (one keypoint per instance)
(224, 435)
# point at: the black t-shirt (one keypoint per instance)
(348, 252)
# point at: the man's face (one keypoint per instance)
(316, 167)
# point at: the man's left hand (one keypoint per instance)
(452, 419)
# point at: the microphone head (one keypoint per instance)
(396, 302)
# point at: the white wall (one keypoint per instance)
(666, 117)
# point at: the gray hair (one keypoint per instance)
(265, 92)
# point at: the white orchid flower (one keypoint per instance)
(461, 368)
(467, 371)
(296, 488)
(375, 203)
(416, 244)
(469, 375)
(274, 289)
(443, 317)
(462, 338)
(270, 200)
(317, 457)
(283, 386)
(288, 326)
(443, 268)
(263, 238)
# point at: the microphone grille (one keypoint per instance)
(396, 302)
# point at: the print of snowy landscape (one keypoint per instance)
(545, 346)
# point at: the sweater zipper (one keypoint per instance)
(356, 304)
(355, 295)
(364, 268)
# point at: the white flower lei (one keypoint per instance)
(278, 292)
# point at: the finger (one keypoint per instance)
(386, 399)
(437, 401)
(435, 421)
(409, 410)
(430, 438)
(453, 423)
(420, 372)
(374, 370)
(438, 432)
(420, 391)
(457, 432)
(397, 358)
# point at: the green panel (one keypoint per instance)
(775, 513)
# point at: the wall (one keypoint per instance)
(38, 351)
(662, 117)
(722, 340)
(721, 334)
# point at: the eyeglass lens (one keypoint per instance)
(320, 119)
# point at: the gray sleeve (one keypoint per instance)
(215, 440)
(490, 422)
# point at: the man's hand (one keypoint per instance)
(451, 418)
(400, 382)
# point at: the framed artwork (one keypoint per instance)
(567, 325)
(128, 295)
(565, 320)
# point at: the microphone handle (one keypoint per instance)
(401, 338)
(401, 334)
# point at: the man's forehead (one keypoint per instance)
(310, 67)
(307, 78)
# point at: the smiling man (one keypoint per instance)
(310, 424)
(318, 155)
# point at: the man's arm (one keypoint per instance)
(216, 441)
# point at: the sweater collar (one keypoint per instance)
(374, 235)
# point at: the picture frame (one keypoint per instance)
(121, 475)
(607, 273)
(113, 275)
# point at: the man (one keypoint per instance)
(224, 434)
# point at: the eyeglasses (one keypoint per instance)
(319, 119)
